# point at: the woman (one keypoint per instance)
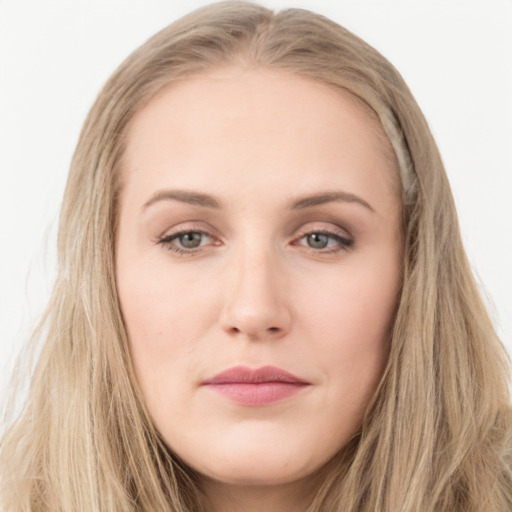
(263, 301)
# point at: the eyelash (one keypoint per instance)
(167, 241)
(343, 243)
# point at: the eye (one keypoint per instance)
(190, 240)
(186, 242)
(325, 241)
(318, 240)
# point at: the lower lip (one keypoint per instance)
(257, 394)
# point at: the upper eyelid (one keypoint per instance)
(188, 227)
(306, 228)
(338, 231)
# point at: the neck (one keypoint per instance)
(294, 497)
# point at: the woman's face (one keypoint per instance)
(258, 268)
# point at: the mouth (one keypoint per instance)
(256, 387)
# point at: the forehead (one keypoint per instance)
(239, 123)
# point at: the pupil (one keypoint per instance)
(318, 240)
(190, 240)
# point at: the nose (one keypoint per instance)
(256, 305)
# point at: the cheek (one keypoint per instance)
(349, 323)
(353, 308)
(166, 313)
(156, 306)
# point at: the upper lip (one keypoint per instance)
(244, 374)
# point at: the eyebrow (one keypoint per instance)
(209, 201)
(184, 196)
(329, 197)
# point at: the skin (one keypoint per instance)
(258, 289)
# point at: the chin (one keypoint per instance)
(259, 464)
(258, 452)
(256, 473)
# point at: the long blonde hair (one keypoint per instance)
(437, 434)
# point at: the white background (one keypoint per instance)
(55, 55)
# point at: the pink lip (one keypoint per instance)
(253, 387)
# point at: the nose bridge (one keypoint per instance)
(255, 304)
